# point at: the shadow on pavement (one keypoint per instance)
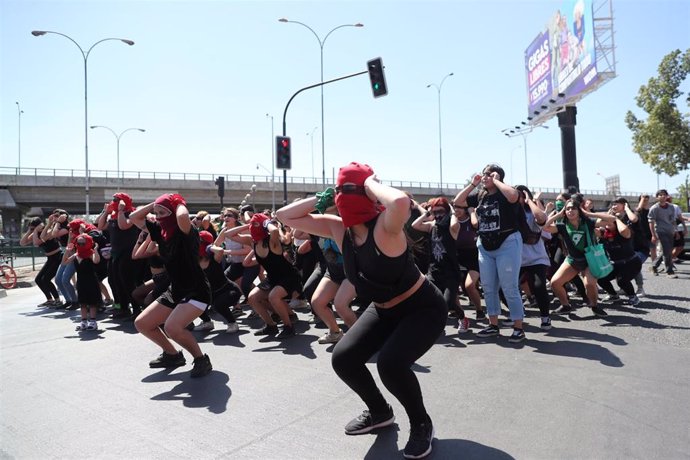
(615, 321)
(664, 306)
(465, 449)
(300, 344)
(211, 391)
(571, 349)
(385, 443)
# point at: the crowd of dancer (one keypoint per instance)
(407, 265)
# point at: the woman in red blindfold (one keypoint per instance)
(282, 278)
(189, 293)
(407, 314)
(84, 256)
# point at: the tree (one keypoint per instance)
(663, 140)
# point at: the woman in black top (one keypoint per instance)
(224, 293)
(53, 253)
(189, 293)
(500, 247)
(408, 313)
(282, 279)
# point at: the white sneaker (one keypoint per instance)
(233, 328)
(640, 292)
(91, 325)
(298, 303)
(331, 337)
(464, 325)
(82, 326)
(205, 326)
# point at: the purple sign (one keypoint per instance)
(538, 67)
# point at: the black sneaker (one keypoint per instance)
(202, 366)
(598, 311)
(517, 336)
(508, 322)
(419, 444)
(168, 361)
(368, 421)
(288, 331)
(481, 315)
(267, 330)
(563, 310)
(122, 313)
(489, 331)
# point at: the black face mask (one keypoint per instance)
(439, 215)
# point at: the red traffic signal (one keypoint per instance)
(283, 152)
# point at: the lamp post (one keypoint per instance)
(273, 167)
(85, 55)
(440, 146)
(273, 186)
(511, 163)
(523, 131)
(321, 44)
(117, 137)
(19, 139)
(311, 135)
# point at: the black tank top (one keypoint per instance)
(444, 255)
(64, 238)
(215, 275)
(375, 275)
(49, 245)
(277, 267)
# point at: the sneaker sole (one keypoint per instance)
(426, 452)
(521, 339)
(373, 427)
(202, 374)
(486, 336)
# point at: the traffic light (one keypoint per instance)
(377, 77)
(220, 182)
(283, 152)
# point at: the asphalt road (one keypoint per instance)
(617, 387)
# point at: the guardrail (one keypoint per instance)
(21, 256)
(252, 178)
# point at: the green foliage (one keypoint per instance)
(663, 139)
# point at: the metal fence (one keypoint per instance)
(21, 256)
(254, 178)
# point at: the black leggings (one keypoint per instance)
(401, 335)
(535, 275)
(449, 287)
(44, 278)
(623, 273)
(222, 301)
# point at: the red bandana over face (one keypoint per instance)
(354, 208)
(84, 245)
(113, 206)
(257, 227)
(168, 223)
(76, 225)
(205, 240)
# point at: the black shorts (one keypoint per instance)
(199, 300)
(469, 259)
(678, 240)
(290, 284)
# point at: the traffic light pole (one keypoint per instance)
(285, 116)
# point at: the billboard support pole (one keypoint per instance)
(567, 121)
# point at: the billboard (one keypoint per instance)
(562, 60)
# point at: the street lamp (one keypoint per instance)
(85, 55)
(273, 186)
(440, 147)
(321, 44)
(118, 136)
(523, 131)
(273, 167)
(311, 135)
(19, 140)
(511, 164)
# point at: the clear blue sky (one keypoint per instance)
(203, 74)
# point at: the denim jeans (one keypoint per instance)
(501, 269)
(64, 283)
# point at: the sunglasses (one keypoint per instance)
(351, 189)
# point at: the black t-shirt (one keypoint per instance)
(444, 255)
(181, 257)
(215, 274)
(619, 248)
(122, 241)
(497, 219)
